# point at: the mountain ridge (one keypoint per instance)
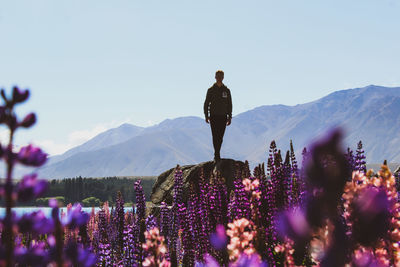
(187, 140)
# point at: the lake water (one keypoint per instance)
(47, 211)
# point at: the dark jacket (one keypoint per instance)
(218, 101)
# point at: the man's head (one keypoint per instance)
(219, 76)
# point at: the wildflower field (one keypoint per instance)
(330, 212)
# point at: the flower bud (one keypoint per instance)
(19, 96)
(29, 120)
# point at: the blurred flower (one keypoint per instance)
(33, 256)
(364, 258)
(30, 187)
(79, 256)
(293, 224)
(32, 156)
(253, 260)
(219, 239)
(53, 203)
(28, 121)
(370, 215)
(35, 222)
(209, 261)
(75, 217)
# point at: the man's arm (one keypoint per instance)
(207, 104)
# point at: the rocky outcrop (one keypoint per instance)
(164, 185)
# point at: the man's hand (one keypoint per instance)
(228, 121)
(207, 119)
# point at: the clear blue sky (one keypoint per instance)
(92, 65)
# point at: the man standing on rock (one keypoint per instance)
(218, 111)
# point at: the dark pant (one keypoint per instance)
(218, 125)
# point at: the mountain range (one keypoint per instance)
(370, 114)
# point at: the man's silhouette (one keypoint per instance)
(218, 111)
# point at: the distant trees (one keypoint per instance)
(91, 202)
(104, 189)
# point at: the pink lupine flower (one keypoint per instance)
(242, 233)
(155, 248)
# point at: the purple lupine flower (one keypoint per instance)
(102, 227)
(33, 256)
(188, 258)
(140, 200)
(104, 254)
(165, 225)
(204, 199)
(35, 222)
(215, 200)
(175, 213)
(129, 245)
(351, 158)
(165, 220)
(103, 247)
(30, 187)
(293, 223)
(360, 159)
(119, 221)
(75, 217)
(32, 156)
(79, 256)
(298, 185)
(151, 222)
(139, 227)
(263, 209)
(240, 203)
(272, 213)
(195, 223)
(231, 214)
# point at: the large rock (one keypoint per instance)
(164, 185)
